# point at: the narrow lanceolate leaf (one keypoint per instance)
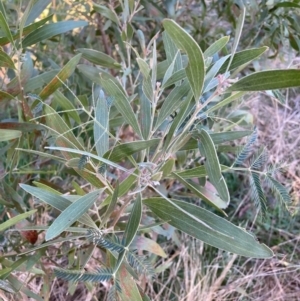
(243, 57)
(122, 104)
(71, 214)
(6, 135)
(111, 206)
(124, 150)
(28, 29)
(178, 120)
(197, 172)
(62, 75)
(49, 30)
(212, 73)
(37, 82)
(218, 138)
(56, 201)
(145, 115)
(12, 221)
(66, 105)
(195, 70)
(38, 8)
(134, 221)
(106, 12)
(172, 102)
(101, 125)
(221, 234)
(212, 165)
(6, 61)
(99, 58)
(216, 47)
(5, 96)
(268, 80)
(5, 28)
(202, 192)
(94, 74)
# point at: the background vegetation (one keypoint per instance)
(52, 76)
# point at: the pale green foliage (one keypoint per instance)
(144, 120)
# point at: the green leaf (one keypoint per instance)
(222, 234)
(94, 74)
(6, 135)
(121, 102)
(238, 32)
(21, 287)
(175, 77)
(258, 194)
(6, 61)
(124, 188)
(225, 102)
(26, 30)
(7, 287)
(196, 172)
(71, 214)
(56, 201)
(202, 192)
(66, 105)
(106, 12)
(172, 52)
(124, 150)
(111, 206)
(37, 82)
(178, 120)
(12, 221)
(243, 57)
(62, 75)
(195, 70)
(210, 75)
(101, 125)
(5, 28)
(36, 10)
(218, 138)
(212, 165)
(172, 102)
(134, 221)
(99, 58)
(145, 116)
(49, 30)
(268, 80)
(80, 152)
(5, 96)
(216, 47)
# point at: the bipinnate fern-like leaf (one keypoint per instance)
(113, 244)
(140, 264)
(278, 189)
(102, 168)
(242, 156)
(102, 275)
(258, 194)
(82, 162)
(112, 293)
(259, 160)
